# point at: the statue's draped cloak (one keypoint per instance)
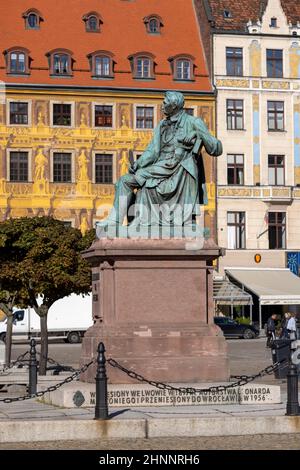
(174, 180)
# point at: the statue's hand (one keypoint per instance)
(189, 139)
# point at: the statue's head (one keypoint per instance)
(173, 102)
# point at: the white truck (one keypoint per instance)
(68, 319)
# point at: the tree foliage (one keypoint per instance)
(41, 258)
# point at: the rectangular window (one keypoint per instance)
(234, 61)
(235, 114)
(61, 64)
(236, 230)
(103, 168)
(275, 115)
(144, 117)
(276, 170)
(235, 169)
(274, 63)
(18, 166)
(17, 62)
(102, 66)
(62, 167)
(103, 116)
(62, 114)
(18, 113)
(143, 68)
(277, 230)
(183, 69)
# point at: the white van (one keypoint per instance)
(68, 319)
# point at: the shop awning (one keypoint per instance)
(226, 293)
(272, 286)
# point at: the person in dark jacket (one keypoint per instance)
(284, 332)
(271, 329)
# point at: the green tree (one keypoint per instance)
(49, 264)
(12, 292)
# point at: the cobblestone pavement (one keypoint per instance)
(258, 442)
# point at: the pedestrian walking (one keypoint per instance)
(291, 326)
(284, 332)
(271, 329)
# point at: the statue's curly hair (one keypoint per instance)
(176, 98)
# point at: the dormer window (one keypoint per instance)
(33, 19)
(273, 23)
(153, 24)
(142, 65)
(93, 22)
(182, 67)
(17, 60)
(101, 64)
(227, 14)
(60, 62)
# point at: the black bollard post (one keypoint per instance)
(292, 406)
(101, 408)
(32, 368)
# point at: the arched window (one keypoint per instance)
(32, 21)
(101, 64)
(17, 60)
(153, 24)
(60, 62)
(32, 18)
(92, 22)
(182, 67)
(142, 65)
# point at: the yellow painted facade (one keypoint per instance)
(81, 202)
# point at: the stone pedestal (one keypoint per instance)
(153, 309)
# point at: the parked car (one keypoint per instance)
(232, 329)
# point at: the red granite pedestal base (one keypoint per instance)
(153, 309)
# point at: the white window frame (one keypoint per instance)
(114, 159)
(72, 152)
(145, 105)
(72, 103)
(29, 102)
(8, 152)
(98, 103)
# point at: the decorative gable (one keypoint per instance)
(274, 20)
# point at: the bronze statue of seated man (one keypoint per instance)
(166, 185)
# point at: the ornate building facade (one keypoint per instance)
(82, 86)
(256, 58)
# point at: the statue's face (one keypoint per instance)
(168, 107)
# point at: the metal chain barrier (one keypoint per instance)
(57, 364)
(243, 380)
(19, 360)
(52, 388)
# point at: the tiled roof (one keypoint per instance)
(123, 33)
(241, 11)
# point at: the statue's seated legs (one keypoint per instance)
(124, 194)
